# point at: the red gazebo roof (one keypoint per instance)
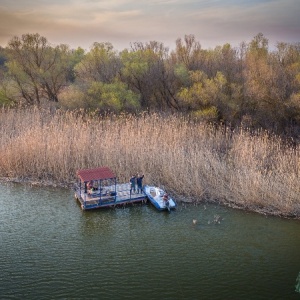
(95, 174)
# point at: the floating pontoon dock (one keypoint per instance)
(98, 188)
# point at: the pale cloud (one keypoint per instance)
(214, 22)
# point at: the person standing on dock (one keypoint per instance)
(139, 182)
(132, 183)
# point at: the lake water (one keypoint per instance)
(51, 249)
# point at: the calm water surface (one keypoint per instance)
(50, 249)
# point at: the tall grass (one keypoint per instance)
(195, 161)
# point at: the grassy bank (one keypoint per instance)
(256, 172)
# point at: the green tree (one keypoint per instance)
(5, 95)
(76, 56)
(147, 72)
(3, 58)
(8, 94)
(182, 74)
(101, 64)
(38, 70)
(113, 97)
(205, 96)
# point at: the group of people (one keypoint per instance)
(136, 183)
(91, 186)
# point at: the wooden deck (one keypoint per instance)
(96, 200)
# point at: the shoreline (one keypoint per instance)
(198, 163)
(191, 200)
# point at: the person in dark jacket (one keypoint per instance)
(139, 182)
(132, 183)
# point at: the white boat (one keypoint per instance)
(159, 198)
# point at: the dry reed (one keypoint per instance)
(196, 161)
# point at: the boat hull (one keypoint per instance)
(158, 198)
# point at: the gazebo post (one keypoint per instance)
(115, 189)
(100, 189)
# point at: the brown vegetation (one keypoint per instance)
(195, 161)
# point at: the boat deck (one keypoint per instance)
(97, 200)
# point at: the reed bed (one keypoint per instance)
(194, 161)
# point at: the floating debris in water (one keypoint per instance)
(217, 219)
(194, 221)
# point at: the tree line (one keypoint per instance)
(248, 85)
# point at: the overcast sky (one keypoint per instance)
(121, 22)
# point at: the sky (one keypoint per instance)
(122, 22)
